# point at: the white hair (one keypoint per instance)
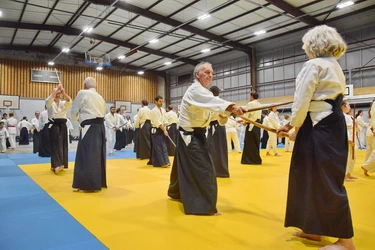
(199, 66)
(323, 40)
(90, 82)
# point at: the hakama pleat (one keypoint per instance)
(144, 141)
(44, 143)
(24, 137)
(250, 153)
(172, 132)
(36, 137)
(90, 163)
(59, 143)
(193, 177)
(159, 153)
(119, 140)
(317, 199)
(218, 148)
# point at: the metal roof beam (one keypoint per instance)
(174, 23)
(299, 14)
(75, 32)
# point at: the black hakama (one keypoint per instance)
(172, 132)
(24, 137)
(123, 145)
(144, 141)
(264, 139)
(120, 140)
(59, 143)
(90, 163)
(159, 154)
(129, 136)
(217, 145)
(135, 139)
(36, 141)
(193, 177)
(250, 153)
(7, 143)
(44, 143)
(317, 199)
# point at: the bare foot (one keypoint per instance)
(341, 244)
(217, 214)
(351, 176)
(313, 237)
(348, 179)
(277, 154)
(268, 153)
(365, 171)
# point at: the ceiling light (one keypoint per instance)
(345, 4)
(203, 16)
(87, 29)
(1, 13)
(260, 32)
(65, 50)
(140, 72)
(99, 68)
(121, 57)
(154, 41)
(167, 63)
(51, 63)
(205, 50)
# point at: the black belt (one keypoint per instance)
(195, 131)
(214, 122)
(98, 120)
(57, 121)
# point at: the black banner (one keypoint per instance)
(44, 76)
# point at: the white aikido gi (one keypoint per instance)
(289, 145)
(231, 130)
(143, 115)
(12, 130)
(172, 117)
(273, 122)
(111, 122)
(35, 123)
(24, 124)
(370, 139)
(349, 127)
(3, 136)
(69, 127)
(361, 132)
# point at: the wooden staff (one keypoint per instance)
(262, 126)
(171, 141)
(57, 74)
(269, 106)
(353, 136)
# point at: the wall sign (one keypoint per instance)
(44, 76)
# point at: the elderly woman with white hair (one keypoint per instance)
(317, 200)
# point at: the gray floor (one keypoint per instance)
(27, 149)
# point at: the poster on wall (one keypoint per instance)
(45, 76)
(124, 105)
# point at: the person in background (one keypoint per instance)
(36, 132)
(24, 126)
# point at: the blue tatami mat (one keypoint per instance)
(10, 170)
(42, 231)
(30, 218)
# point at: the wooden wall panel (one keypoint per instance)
(15, 79)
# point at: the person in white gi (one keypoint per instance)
(111, 126)
(231, 130)
(36, 131)
(3, 136)
(349, 126)
(24, 127)
(273, 122)
(362, 129)
(11, 126)
(369, 165)
(288, 143)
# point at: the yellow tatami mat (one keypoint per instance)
(135, 212)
